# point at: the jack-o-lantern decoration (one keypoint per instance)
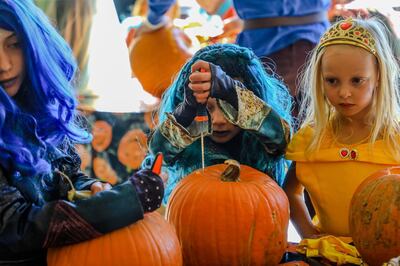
(374, 217)
(132, 148)
(103, 170)
(102, 135)
(148, 242)
(157, 56)
(85, 156)
(226, 216)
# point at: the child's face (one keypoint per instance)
(350, 77)
(11, 62)
(223, 131)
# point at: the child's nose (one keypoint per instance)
(344, 91)
(218, 117)
(5, 62)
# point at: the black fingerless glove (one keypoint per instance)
(223, 86)
(185, 112)
(150, 189)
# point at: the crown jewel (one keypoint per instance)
(347, 32)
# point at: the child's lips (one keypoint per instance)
(346, 105)
(7, 83)
(220, 133)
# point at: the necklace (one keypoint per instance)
(348, 151)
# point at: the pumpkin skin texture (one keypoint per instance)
(156, 57)
(375, 217)
(227, 222)
(148, 242)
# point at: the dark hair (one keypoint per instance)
(43, 112)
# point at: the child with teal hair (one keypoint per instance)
(248, 109)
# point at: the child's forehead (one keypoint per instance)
(347, 58)
(345, 54)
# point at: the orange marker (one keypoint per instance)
(157, 164)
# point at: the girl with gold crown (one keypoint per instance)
(350, 124)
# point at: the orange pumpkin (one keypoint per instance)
(132, 148)
(151, 241)
(156, 57)
(102, 135)
(374, 216)
(226, 217)
(103, 170)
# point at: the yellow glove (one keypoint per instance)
(332, 248)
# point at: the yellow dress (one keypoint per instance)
(332, 174)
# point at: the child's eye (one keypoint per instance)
(15, 44)
(357, 81)
(331, 81)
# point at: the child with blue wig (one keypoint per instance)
(248, 109)
(39, 168)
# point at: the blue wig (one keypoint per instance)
(237, 62)
(45, 105)
(242, 63)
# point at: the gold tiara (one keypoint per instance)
(347, 32)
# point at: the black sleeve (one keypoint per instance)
(26, 227)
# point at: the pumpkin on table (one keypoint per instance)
(227, 216)
(148, 242)
(375, 217)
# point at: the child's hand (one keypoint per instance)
(200, 81)
(150, 188)
(209, 80)
(99, 186)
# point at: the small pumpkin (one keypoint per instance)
(156, 57)
(151, 241)
(102, 135)
(224, 216)
(374, 216)
(103, 170)
(132, 148)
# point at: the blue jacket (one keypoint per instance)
(266, 40)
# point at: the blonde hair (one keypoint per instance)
(384, 116)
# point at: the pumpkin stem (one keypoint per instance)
(232, 172)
